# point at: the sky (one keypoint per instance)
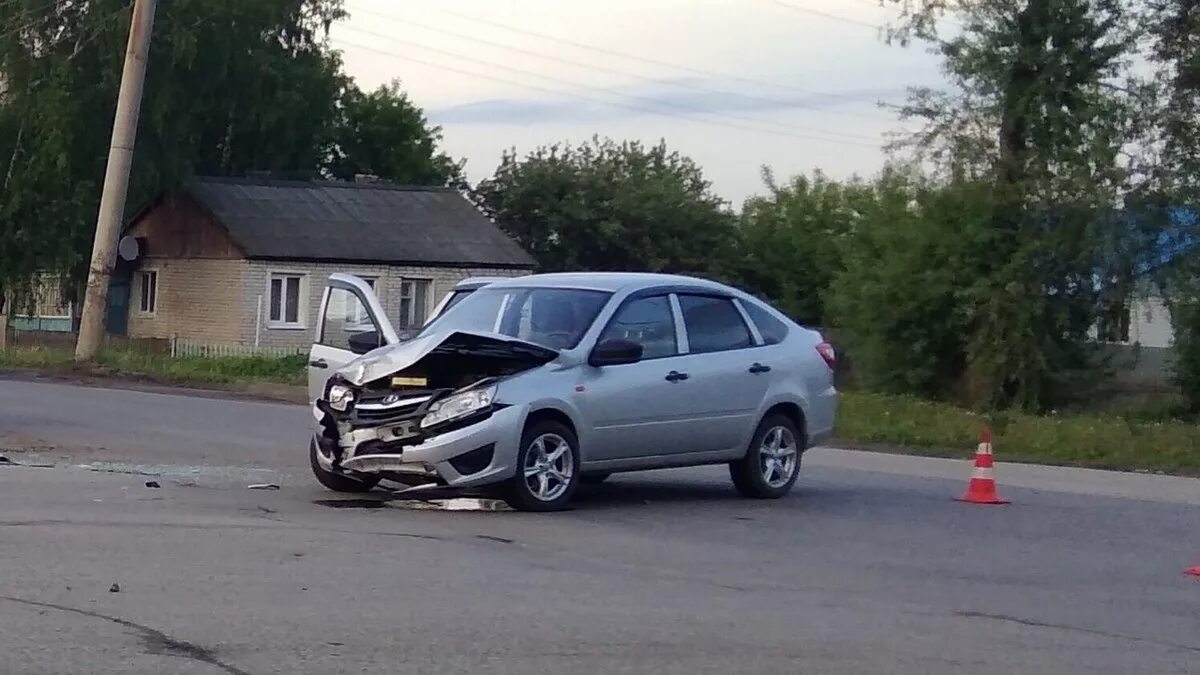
(737, 85)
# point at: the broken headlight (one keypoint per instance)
(458, 406)
(340, 397)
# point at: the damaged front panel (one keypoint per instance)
(395, 389)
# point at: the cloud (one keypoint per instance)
(687, 97)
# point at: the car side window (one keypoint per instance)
(772, 330)
(648, 322)
(713, 324)
(346, 315)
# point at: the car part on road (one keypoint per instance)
(262, 486)
(772, 463)
(1193, 571)
(548, 474)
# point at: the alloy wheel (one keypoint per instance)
(549, 467)
(778, 457)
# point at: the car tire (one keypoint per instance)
(336, 481)
(772, 462)
(594, 478)
(540, 445)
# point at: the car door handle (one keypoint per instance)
(319, 363)
(759, 368)
(676, 376)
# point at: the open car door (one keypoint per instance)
(351, 322)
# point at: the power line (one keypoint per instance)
(601, 90)
(625, 73)
(632, 57)
(619, 71)
(560, 92)
(834, 17)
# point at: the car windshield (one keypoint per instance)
(552, 317)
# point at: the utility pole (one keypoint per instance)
(116, 181)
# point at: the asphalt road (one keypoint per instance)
(870, 567)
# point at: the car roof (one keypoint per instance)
(607, 281)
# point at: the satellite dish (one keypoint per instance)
(128, 249)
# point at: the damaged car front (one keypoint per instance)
(427, 412)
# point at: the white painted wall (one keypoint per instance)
(1150, 323)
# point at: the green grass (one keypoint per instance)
(289, 370)
(1101, 441)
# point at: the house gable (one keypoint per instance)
(178, 226)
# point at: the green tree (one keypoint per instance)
(385, 134)
(789, 240)
(1038, 111)
(899, 302)
(1172, 189)
(611, 206)
(232, 86)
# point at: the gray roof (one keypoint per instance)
(356, 222)
(606, 281)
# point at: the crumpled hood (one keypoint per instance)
(389, 359)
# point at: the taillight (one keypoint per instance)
(826, 351)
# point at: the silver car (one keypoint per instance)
(535, 384)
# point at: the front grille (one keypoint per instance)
(390, 406)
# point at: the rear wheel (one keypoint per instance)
(547, 468)
(772, 462)
(336, 481)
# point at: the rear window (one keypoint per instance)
(773, 330)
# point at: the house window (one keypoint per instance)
(149, 297)
(286, 308)
(414, 296)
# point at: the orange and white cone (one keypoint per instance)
(982, 488)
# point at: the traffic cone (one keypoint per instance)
(1193, 571)
(982, 488)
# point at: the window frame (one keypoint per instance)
(676, 322)
(302, 295)
(142, 274)
(418, 322)
(751, 330)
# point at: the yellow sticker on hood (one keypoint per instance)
(410, 381)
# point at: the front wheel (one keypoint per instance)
(336, 481)
(772, 463)
(547, 469)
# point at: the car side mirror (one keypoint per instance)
(615, 353)
(361, 343)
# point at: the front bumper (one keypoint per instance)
(362, 450)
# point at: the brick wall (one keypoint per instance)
(197, 299)
(256, 282)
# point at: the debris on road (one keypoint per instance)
(115, 588)
(1193, 571)
(5, 460)
(262, 486)
(456, 504)
(153, 484)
